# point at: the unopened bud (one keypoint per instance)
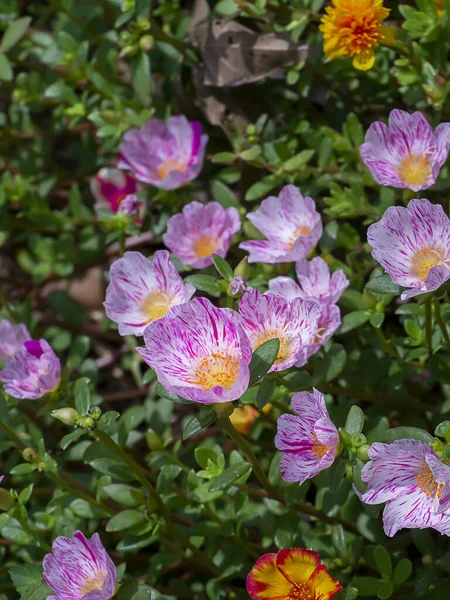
(86, 422)
(369, 300)
(147, 43)
(358, 440)
(154, 441)
(29, 454)
(363, 452)
(237, 287)
(143, 24)
(443, 430)
(128, 51)
(68, 416)
(95, 413)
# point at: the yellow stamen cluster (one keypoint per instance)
(170, 165)
(217, 369)
(205, 246)
(425, 259)
(414, 170)
(155, 306)
(352, 28)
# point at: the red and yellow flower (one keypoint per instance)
(244, 416)
(439, 4)
(352, 28)
(292, 574)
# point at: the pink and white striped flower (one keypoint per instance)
(110, 187)
(200, 231)
(410, 477)
(329, 321)
(166, 155)
(407, 154)
(413, 245)
(32, 371)
(12, 338)
(268, 316)
(80, 569)
(310, 441)
(316, 282)
(142, 290)
(199, 352)
(291, 225)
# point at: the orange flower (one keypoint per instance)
(439, 4)
(294, 574)
(243, 417)
(352, 28)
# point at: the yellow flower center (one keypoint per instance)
(414, 170)
(352, 28)
(425, 259)
(319, 448)
(300, 591)
(427, 483)
(285, 345)
(168, 167)
(156, 305)
(217, 369)
(301, 230)
(93, 583)
(205, 246)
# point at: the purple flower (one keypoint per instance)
(409, 476)
(329, 321)
(310, 440)
(79, 569)
(316, 283)
(200, 231)
(238, 286)
(199, 352)
(110, 187)
(270, 316)
(12, 338)
(165, 155)
(142, 290)
(291, 225)
(413, 245)
(407, 154)
(32, 372)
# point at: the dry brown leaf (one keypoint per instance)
(234, 55)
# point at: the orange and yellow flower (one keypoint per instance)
(244, 416)
(352, 28)
(439, 4)
(292, 574)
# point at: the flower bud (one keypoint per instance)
(68, 416)
(147, 43)
(29, 455)
(154, 441)
(358, 440)
(86, 422)
(95, 413)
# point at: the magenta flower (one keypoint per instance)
(291, 225)
(12, 339)
(164, 155)
(329, 321)
(413, 245)
(407, 154)
(110, 187)
(79, 569)
(199, 352)
(200, 231)
(409, 476)
(142, 290)
(310, 440)
(316, 283)
(270, 316)
(32, 372)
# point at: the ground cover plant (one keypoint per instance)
(224, 309)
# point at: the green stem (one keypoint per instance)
(389, 349)
(5, 303)
(428, 326)
(33, 533)
(142, 477)
(12, 436)
(272, 492)
(441, 322)
(80, 494)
